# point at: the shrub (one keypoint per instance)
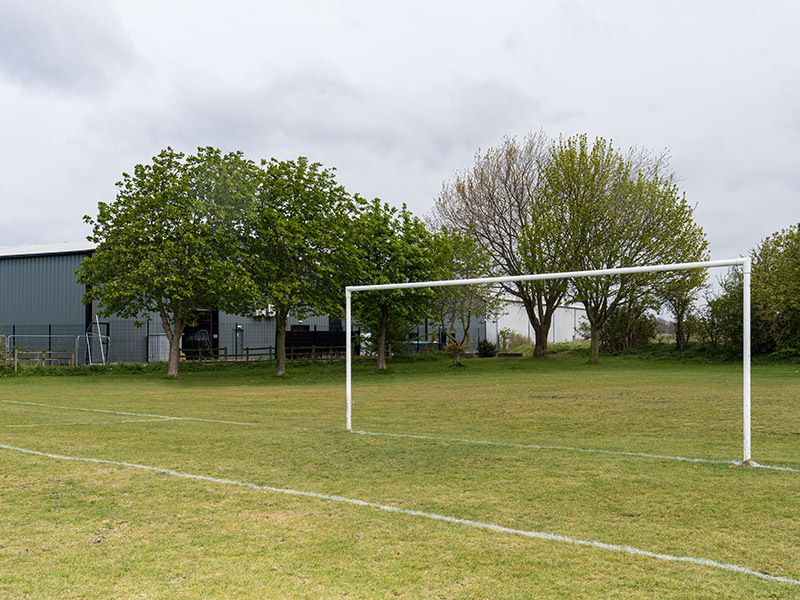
(627, 328)
(486, 349)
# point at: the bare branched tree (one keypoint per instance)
(499, 202)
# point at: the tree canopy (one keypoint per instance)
(499, 202)
(217, 231)
(619, 211)
(297, 241)
(393, 246)
(164, 245)
(776, 292)
(456, 308)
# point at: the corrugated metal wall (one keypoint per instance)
(40, 296)
(37, 290)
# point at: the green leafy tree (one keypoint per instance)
(628, 327)
(619, 211)
(297, 242)
(393, 246)
(500, 202)
(165, 245)
(721, 319)
(776, 292)
(679, 291)
(455, 308)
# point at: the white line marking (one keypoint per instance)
(477, 524)
(117, 412)
(772, 467)
(94, 422)
(572, 449)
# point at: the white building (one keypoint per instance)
(566, 322)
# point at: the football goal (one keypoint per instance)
(744, 263)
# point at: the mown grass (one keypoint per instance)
(88, 530)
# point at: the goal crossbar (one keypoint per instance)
(745, 263)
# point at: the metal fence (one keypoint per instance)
(122, 342)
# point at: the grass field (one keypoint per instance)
(283, 503)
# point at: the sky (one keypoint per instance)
(397, 96)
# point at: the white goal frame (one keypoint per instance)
(745, 263)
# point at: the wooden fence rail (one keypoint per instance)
(40, 357)
(295, 352)
(266, 353)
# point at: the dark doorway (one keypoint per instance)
(202, 340)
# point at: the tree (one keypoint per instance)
(499, 201)
(776, 292)
(165, 245)
(628, 327)
(679, 291)
(722, 316)
(393, 246)
(459, 256)
(296, 238)
(619, 211)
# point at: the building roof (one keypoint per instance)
(47, 249)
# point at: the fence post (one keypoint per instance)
(15, 360)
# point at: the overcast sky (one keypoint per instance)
(397, 95)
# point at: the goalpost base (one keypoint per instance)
(746, 463)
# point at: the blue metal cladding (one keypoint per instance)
(41, 289)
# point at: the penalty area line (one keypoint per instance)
(415, 513)
(132, 414)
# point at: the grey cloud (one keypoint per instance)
(379, 139)
(317, 108)
(69, 46)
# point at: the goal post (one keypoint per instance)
(744, 263)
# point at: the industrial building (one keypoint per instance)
(42, 309)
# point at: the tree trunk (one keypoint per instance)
(281, 315)
(594, 347)
(540, 347)
(681, 337)
(382, 337)
(457, 356)
(541, 328)
(174, 333)
(540, 343)
(174, 353)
